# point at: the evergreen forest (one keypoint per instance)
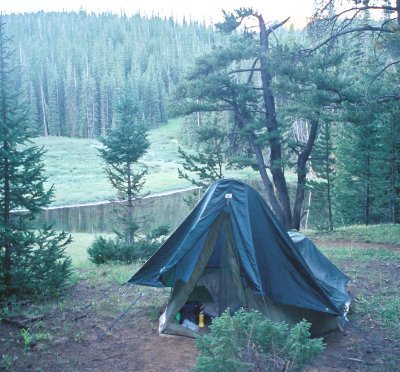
(74, 66)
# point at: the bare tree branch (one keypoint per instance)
(382, 71)
(244, 70)
(356, 9)
(272, 28)
(352, 30)
(250, 78)
(325, 7)
(388, 98)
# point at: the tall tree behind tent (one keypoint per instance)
(362, 153)
(246, 77)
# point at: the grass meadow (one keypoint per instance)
(74, 167)
(383, 233)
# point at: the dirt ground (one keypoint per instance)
(90, 332)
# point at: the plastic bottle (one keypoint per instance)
(201, 320)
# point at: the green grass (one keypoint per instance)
(73, 166)
(108, 276)
(384, 307)
(373, 279)
(77, 250)
(383, 233)
(361, 255)
(85, 269)
(76, 170)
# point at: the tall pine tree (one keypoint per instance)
(31, 262)
(323, 164)
(123, 147)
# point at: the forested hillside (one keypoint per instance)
(74, 66)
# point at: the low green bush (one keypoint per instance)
(104, 250)
(248, 341)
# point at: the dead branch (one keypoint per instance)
(244, 70)
(349, 31)
(382, 71)
(22, 323)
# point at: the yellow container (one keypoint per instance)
(201, 320)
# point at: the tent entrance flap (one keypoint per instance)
(215, 282)
(221, 278)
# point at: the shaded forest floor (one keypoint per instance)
(87, 330)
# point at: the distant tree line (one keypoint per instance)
(74, 66)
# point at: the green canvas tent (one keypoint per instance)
(231, 252)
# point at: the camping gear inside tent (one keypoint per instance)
(231, 252)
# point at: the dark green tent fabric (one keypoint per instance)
(325, 272)
(271, 266)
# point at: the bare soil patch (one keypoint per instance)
(86, 337)
(82, 334)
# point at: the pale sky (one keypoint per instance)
(208, 10)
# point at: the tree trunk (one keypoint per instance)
(44, 111)
(302, 175)
(269, 187)
(300, 192)
(6, 218)
(367, 194)
(130, 207)
(273, 129)
(329, 197)
(328, 176)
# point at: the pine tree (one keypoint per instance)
(208, 163)
(391, 147)
(359, 166)
(31, 262)
(123, 147)
(323, 164)
(362, 152)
